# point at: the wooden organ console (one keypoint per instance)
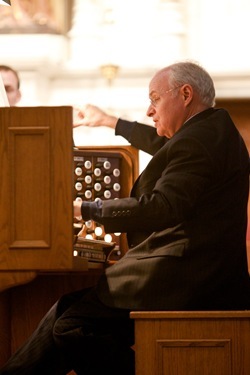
(41, 175)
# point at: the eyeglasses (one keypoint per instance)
(177, 87)
(154, 101)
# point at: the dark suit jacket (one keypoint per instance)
(185, 220)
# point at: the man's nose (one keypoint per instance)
(150, 110)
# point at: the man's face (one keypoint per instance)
(166, 108)
(11, 87)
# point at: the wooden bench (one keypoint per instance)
(192, 343)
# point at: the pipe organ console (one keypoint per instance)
(44, 251)
(101, 173)
(97, 175)
(36, 201)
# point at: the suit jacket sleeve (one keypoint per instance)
(169, 188)
(141, 136)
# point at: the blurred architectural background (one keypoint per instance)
(73, 52)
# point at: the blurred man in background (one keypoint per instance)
(11, 83)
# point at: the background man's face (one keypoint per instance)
(11, 87)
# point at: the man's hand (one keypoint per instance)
(77, 209)
(93, 116)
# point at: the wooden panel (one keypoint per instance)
(191, 357)
(239, 110)
(36, 155)
(187, 343)
(30, 180)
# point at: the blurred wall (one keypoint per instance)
(60, 62)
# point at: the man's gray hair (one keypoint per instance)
(194, 75)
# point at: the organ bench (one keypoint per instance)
(192, 342)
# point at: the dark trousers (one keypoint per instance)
(78, 333)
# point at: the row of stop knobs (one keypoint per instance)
(94, 180)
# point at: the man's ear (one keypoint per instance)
(187, 93)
